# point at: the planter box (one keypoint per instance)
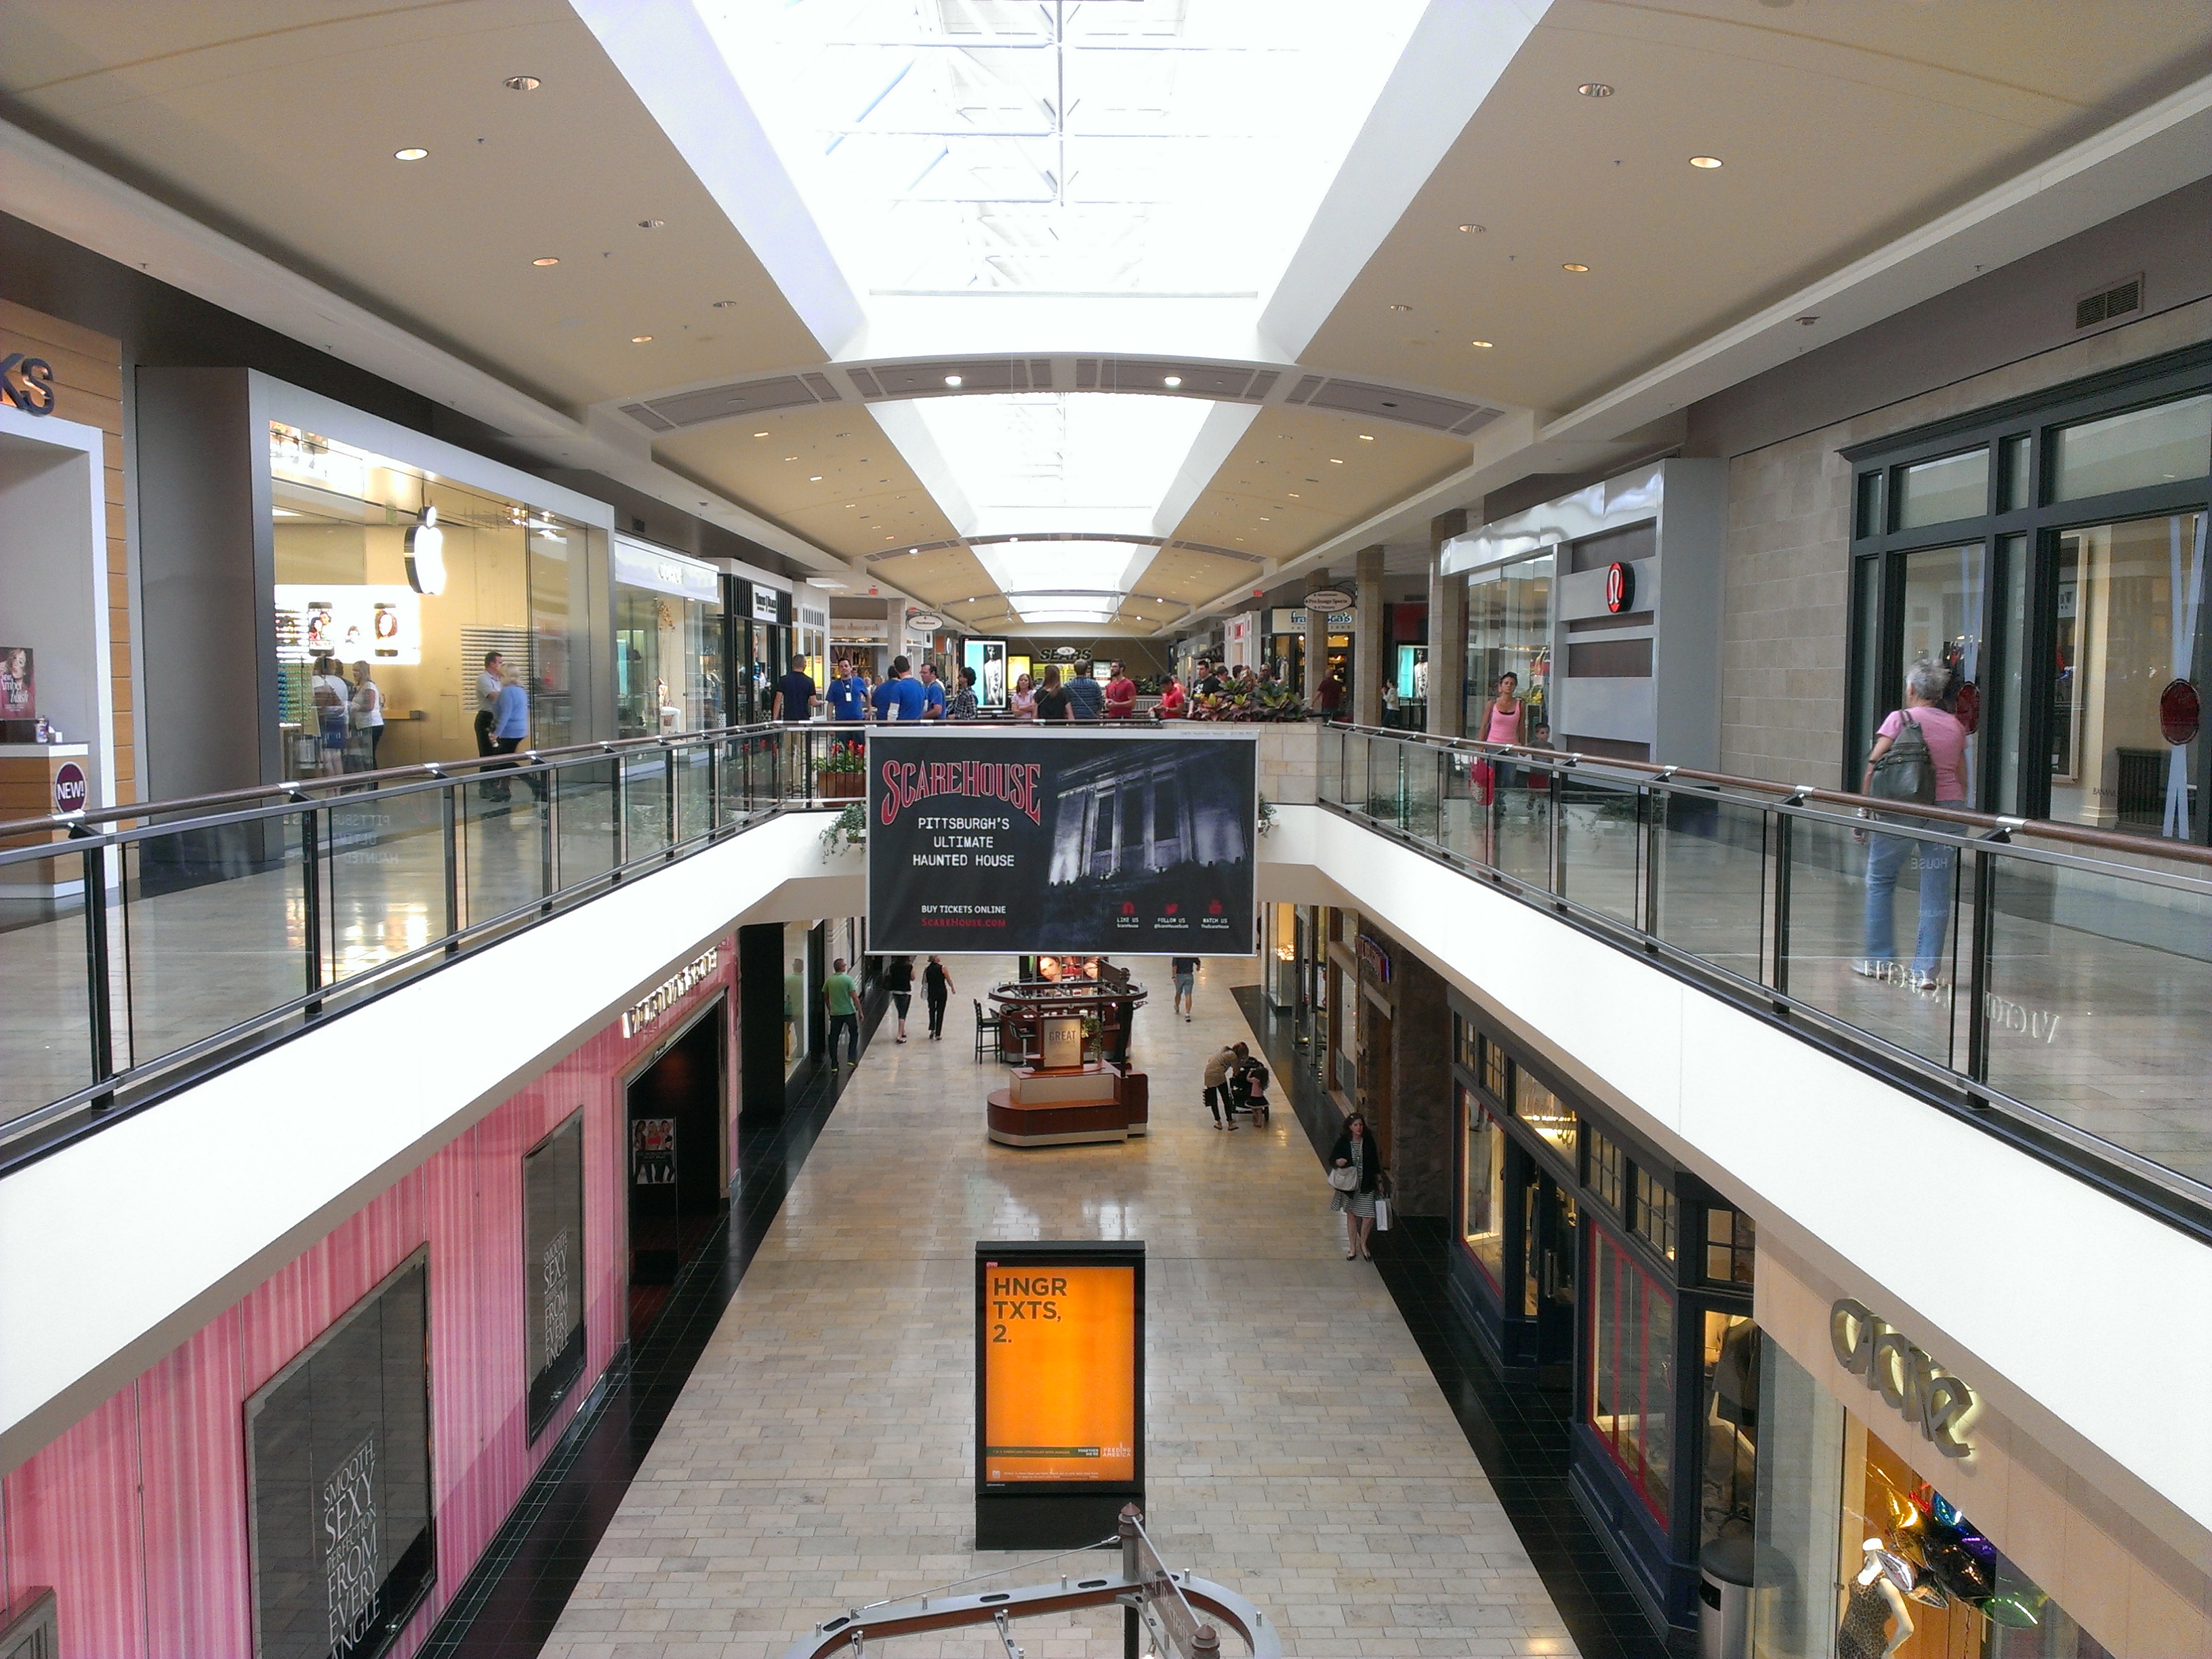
(840, 786)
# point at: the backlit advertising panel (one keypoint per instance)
(1064, 842)
(1060, 1389)
(989, 658)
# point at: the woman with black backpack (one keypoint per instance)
(1919, 755)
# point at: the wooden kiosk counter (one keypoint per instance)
(1065, 1094)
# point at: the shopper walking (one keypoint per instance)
(369, 710)
(937, 989)
(1355, 1150)
(1503, 722)
(1185, 969)
(1919, 753)
(898, 980)
(1216, 1088)
(842, 997)
(490, 684)
(1329, 696)
(510, 726)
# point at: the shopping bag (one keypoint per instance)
(1480, 782)
(1382, 1213)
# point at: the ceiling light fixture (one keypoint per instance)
(1472, 230)
(411, 153)
(547, 260)
(1367, 437)
(1333, 461)
(1575, 267)
(1401, 307)
(952, 379)
(724, 305)
(651, 224)
(1708, 162)
(1807, 322)
(1480, 345)
(523, 83)
(815, 479)
(1595, 89)
(640, 339)
(760, 434)
(1172, 381)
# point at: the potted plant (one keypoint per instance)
(842, 775)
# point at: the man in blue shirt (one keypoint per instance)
(932, 690)
(848, 695)
(901, 698)
(1086, 698)
(510, 725)
(794, 695)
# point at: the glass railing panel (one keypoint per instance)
(501, 840)
(730, 782)
(214, 930)
(1876, 926)
(1421, 792)
(1521, 822)
(1385, 781)
(1710, 879)
(645, 803)
(1353, 792)
(1463, 814)
(587, 835)
(44, 1019)
(1329, 745)
(2094, 1007)
(384, 878)
(692, 801)
(1601, 847)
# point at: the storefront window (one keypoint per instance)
(1467, 1047)
(1938, 491)
(2128, 648)
(1727, 1492)
(370, 585)
(798, 995)
(1632, 1379)
(667, 643)
(1483, 1187)
(2143, 447)
(1493, 1070)
(1731, 1247)
(1509, 630)
(1543, 1111)
(1607, 1168)
(1655, 1214)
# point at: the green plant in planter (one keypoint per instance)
(849, 829)
(1267, 816)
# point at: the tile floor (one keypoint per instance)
(819, 1457)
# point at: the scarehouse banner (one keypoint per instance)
(1080, 842)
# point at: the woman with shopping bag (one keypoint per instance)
(1356, 1178)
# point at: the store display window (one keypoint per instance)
(798, 995)
(1493, 1070)
(1482, 1187)
(668, 642)
(1728, 1487)
(1467, 1046)
(1509, 630)
(1607, 1169)
(1628, 1399)
(1731, 1244)
(1655, 1214)
(392, 585)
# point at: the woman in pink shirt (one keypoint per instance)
(1506, 717)
(1886, 855)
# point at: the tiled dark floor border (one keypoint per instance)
(508, 1605)
(1516, 1425)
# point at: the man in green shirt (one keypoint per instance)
(842, 998)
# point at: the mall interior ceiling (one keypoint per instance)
(1103, 316)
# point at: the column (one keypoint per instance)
(1316, 647)
(1370, 630)
(1447, 630)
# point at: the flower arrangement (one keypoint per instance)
(848, 757)
(1250, 700)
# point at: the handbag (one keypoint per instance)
(1481, 783)
(1906, 770)
(1345, 1180)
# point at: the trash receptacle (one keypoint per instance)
(1724, 1600)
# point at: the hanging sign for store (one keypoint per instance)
(1060, 1391)
(766, 606)
(665, 995)
(1328, 598)
(1942, 1406)
(1377, 959)
(923, 622)
(1620, 587)
(426, 555)
(27, 384)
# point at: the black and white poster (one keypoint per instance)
(553, 1268)
(1085, 842)
(339, 1469)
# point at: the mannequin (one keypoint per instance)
(1876, 1597)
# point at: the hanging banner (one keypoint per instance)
(1068, 842)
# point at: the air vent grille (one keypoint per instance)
(2108, 303)
(723, 403)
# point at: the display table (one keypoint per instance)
(1069, 1106)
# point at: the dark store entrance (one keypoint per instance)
(676, 1161)
(1548, 1255)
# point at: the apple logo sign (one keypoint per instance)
(426, 555)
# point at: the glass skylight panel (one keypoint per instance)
(1029, 462)
(1086, 148)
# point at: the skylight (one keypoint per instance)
(1086, 149)
(1031, 463)
(1072, 581)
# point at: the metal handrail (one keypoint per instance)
(2034, 1107)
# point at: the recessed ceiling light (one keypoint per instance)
(1401, 307)
(547, 260)
(814, 478)
(1708, 161)
(1480, 345)
(640, 339)
(1595, 89)
(1472, 230)
(1807, 322)
(724, 305)
(1172, 381)
(1333, 461)
(523, 83)
(1295, 495)
(651, 224)
(1367, 437)
(1574, 268)
(760, 434)
(952, 379)
(411, 153)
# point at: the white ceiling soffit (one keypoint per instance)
(2133, 161)
(53, 190)
(1458, 50)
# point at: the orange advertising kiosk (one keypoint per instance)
(1060, 1392)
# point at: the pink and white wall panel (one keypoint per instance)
(136, 1516)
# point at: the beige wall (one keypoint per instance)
(2137, 1583)
(1785, 624)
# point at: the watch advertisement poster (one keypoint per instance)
(1082, 843)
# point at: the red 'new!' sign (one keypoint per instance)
(69, 790)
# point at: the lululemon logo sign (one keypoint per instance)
(1619, 588)
(69, 790)
(426, 555)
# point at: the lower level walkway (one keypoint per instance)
(820, 1456)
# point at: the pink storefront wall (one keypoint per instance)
(137, 1517)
